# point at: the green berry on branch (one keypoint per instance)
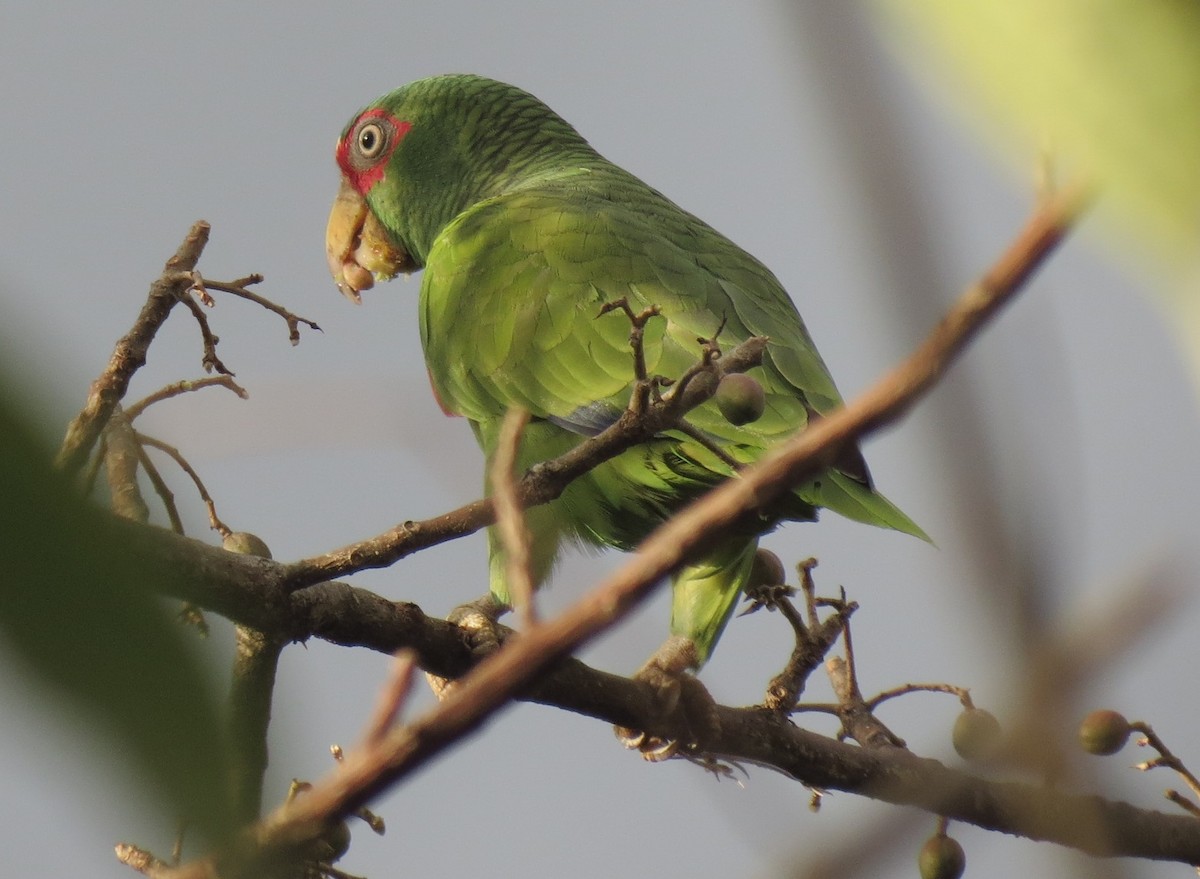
(976, 734)
(246, 543)
(941, 858)
(740, 398)
(767, 570)
(1104, 732)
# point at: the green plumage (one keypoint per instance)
(524, 233)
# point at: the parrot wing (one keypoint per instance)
(511, 316)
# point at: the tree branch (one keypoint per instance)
(254, 592)
(129, 355)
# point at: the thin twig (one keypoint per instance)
(147, 864)
(964, 696)
(122, 457)
(812, 641)
(238, 288)
(699, 436)
(710, 351)
(858, 722)
(183, 387)
(160, 488)
(786, 688)
(809, 587)
(510, 517)
(214, 521)
(637, 331)
(392, 697)
(130, 352)
(1182, 802)
(209, 359)
(92, 472)
(1166, 757)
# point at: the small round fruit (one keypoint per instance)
(1104, 732)
(941, 858)
(329, 847)
(976, 734)
(246, 543)
(766, 570)
(740, 398)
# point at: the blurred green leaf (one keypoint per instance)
(1109, 88)
(81, 615)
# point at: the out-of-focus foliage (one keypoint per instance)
(1110, 89)
(76, 613)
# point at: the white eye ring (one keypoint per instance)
(370, 140)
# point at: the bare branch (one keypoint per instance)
(254, 591)
(183, 387)
(964, 696)
(510, 516)
(683, 426)
(209, 360)
(637, 332)
(857, 720)
(122, 457)
(148, 865)
(813, 641)
(239, 288)
(1167, 758)
(129, 355)
(160, 488)
(392, 698)
(252, 688)
(213, 520)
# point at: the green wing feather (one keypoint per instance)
(509, 317)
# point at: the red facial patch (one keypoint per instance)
(364, 173)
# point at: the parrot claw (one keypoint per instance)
(652, 748)
(682, 702)
(478, 621)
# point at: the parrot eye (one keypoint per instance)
(371, 140)
(364, 150)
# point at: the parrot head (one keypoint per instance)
(422, 154)
(359, 248)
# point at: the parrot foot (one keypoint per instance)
(478, 621)
(681, 701)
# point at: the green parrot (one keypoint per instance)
(525, 233)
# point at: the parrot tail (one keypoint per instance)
(705, 592)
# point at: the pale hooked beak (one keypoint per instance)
(358, 248)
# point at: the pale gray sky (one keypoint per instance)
(793, 133)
